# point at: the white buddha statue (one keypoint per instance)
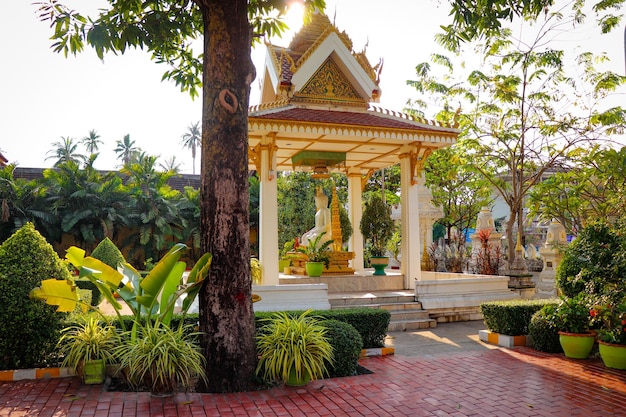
(322, 220)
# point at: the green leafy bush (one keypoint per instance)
(347, 345)
(30, 328)
(594, 263)
(543, 332)
(571, 315)
(107, 252)
(371, 323)
(512, 317)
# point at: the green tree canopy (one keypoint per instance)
(457, 187)
(521, 110)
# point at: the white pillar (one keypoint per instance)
(355, 212)
(268, 213)
(410, 266)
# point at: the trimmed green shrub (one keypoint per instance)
(594, 263)
(511, 317)
(347, 345)
(95, 297)
(543, 331)
(371, 323)
(30, 328)
(107, 252)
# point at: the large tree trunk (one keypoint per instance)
(226, 314)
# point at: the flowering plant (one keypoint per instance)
(572, 315)
(610, 320)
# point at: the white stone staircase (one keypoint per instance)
(406, 313)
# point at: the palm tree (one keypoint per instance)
(91, 141)
(126, 150)
(65, 150)
(191, 140)
(171, 164)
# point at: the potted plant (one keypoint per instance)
(151, 300)
(88, 347)
(610, 320)
(377, 228)
(317, 254)
(293, 350)
(572, 319)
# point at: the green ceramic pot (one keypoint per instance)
(294, 381)
(94, 371)
(379, 263)
(577, 345)
(613, 356)
(314, 269)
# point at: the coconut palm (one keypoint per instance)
(171, 164)
(126, 150)
(91, 141)
(191, 140)
(65, 150)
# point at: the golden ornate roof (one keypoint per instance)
(287, 61)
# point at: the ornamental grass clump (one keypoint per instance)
(291, 347)
(161, 359)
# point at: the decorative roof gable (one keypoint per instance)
(328, 83)
(319, 65)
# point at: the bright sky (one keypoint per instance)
(44, 96)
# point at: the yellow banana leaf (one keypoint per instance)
(56, 292)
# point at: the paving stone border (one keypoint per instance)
(503, 339)
(47, 373)
(35, 373)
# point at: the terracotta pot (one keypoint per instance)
(577, 345)
(613, 356)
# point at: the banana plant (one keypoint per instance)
(153, 296)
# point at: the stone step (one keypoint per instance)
(402, 315)
(403, 325)
(337, 299)
(405, 306)
(406, 312)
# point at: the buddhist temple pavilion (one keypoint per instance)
(317, 113)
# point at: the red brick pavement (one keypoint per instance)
(501, 382)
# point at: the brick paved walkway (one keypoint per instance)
(499, 382)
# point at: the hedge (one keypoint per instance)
(371, 323)
(511, 317)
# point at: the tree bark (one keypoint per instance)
(226, 314)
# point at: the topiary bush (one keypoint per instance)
(96, 295)
(30, 328)
(107, 252)
(347, 345)
(594, 263)
(511, 317)
(544, 332)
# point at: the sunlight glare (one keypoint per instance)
(295, 16)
